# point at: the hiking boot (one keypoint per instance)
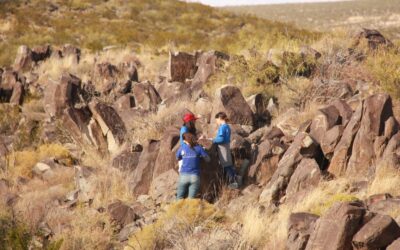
(239, 180)
(233, 185)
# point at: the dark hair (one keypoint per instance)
(222, 116)
(190, 138)
(191, 127)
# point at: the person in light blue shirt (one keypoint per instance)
(189, 174)
(223, 140)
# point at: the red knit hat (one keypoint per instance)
(188, 117)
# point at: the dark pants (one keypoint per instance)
(230, 174)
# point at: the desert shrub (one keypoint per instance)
(295, 64)
(180, 218)
(324, 205)
(13, 235)
(21, 162)
(385, 68)
(9, 118)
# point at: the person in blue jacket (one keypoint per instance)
(189, 174)
(223, 140)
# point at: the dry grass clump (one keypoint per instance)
(9, 118)
(386, 180)
(87, 229)
(385, 68)
(20, 163)
(180, 219)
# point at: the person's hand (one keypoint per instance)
(202, 137)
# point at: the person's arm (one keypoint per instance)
(220, 136)
(179, 154)
(204, 155)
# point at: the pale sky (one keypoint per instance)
(252, 2)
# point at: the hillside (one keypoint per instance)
(379, 14)
(155, 24)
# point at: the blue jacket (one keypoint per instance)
(183, 130)
(191, 158)
(223, 134)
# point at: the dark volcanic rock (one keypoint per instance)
(335, 230)
(300, 226)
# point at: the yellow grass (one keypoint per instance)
(21, 162)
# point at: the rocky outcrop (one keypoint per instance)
(23, 61)
(166, 158)
(337, 226)
(121, 214)
(377, 233)
(229, 99)
(142, 177)
(11, 87)
(111, 125)
(303, 146)
(146, 96)
(181, 66)
(126, 161)
(59, 96)
(306, 176)
(300, 226)
(377, 109)
(373, 38)
(163, 187)
(259, 105)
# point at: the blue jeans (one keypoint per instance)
(188, 186)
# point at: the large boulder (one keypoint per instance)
(377, 110)
(142, 176)
(259, 105)
(207, 63)
(335, 229)
(302, 146)
(373, 38)
(163, 187)
(338, 113)
(395, 245)
(41, 53)
(267, 156)
(61, 95)
(110, 123)
(377, 233)
(181, 66)
(230, 100)
(146, 96)
(126, 161)
(166, 159)
(23, 61)
(76, 122)
(121, 214)
(342, 153)
(11, 87)
(306, 176)
(300, 227)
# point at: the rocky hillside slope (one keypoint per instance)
(158, 25)
(88, 142)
